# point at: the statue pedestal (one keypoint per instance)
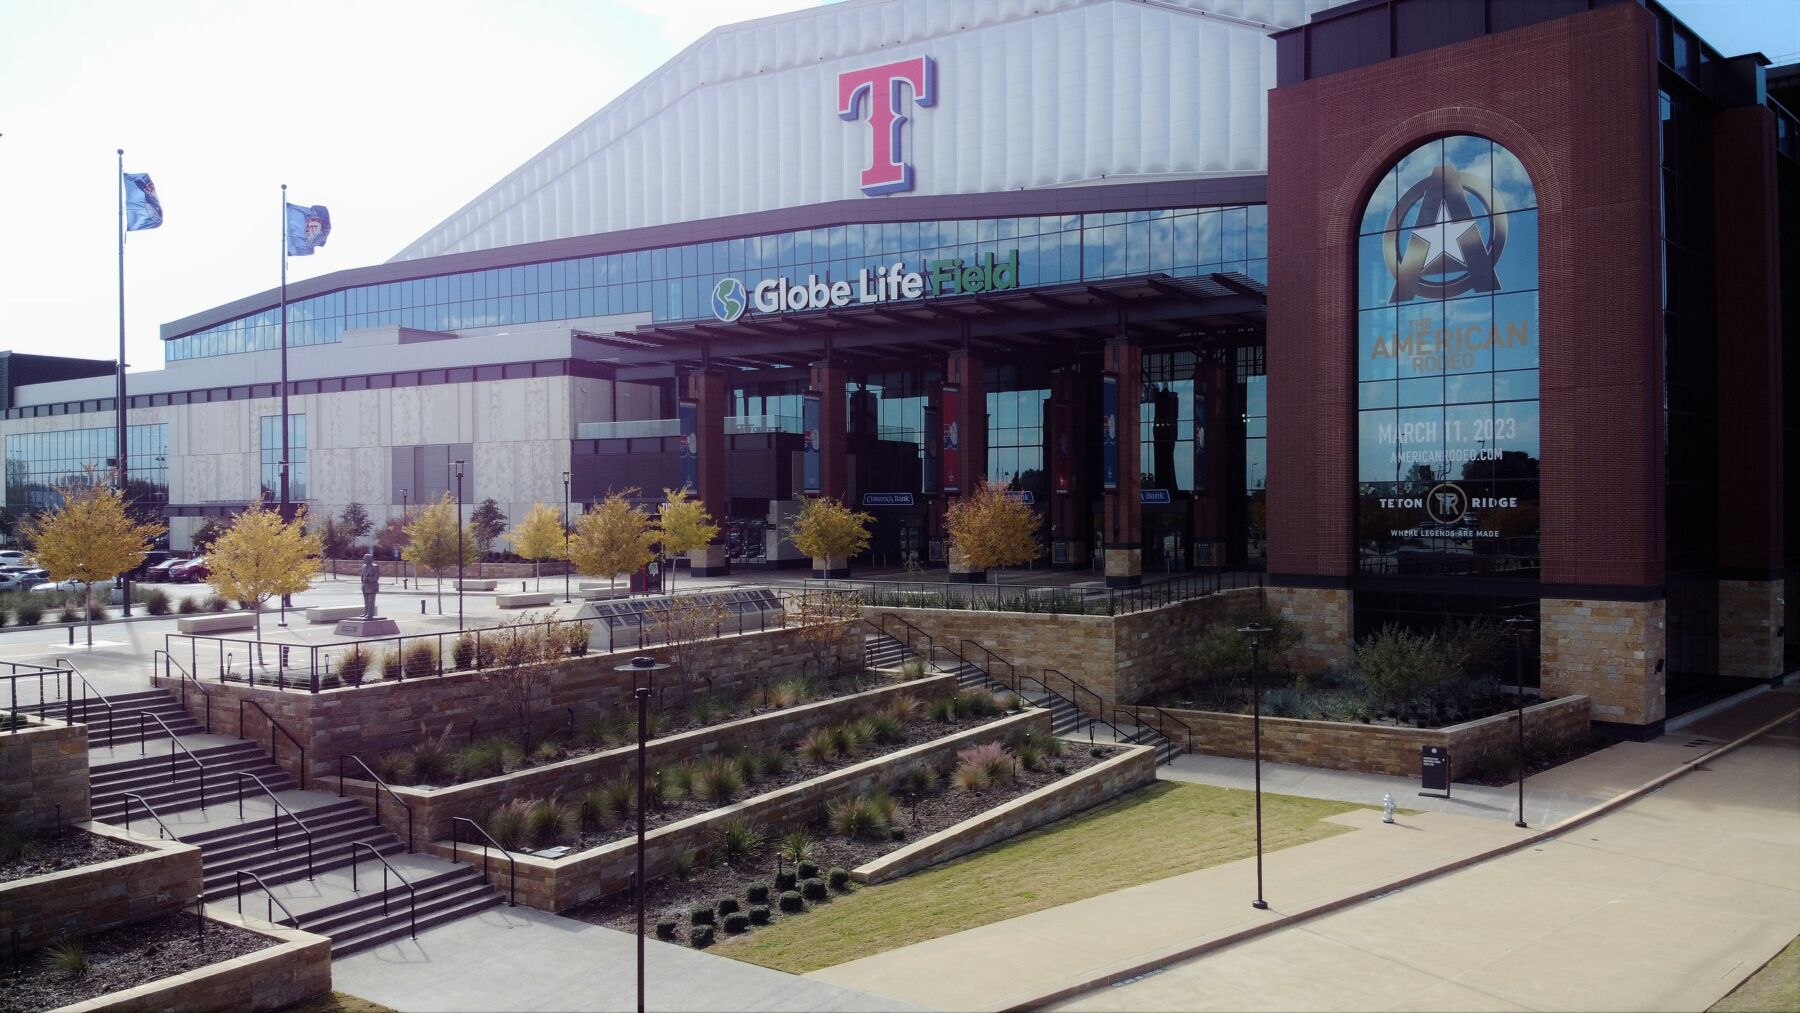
(368, 627)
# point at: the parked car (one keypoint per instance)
(141, 571)
(189, 570)
(25, 577)
(72, 587)
(12, 557)
(158, 572)
(15, 582)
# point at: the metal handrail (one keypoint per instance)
(1075, 698)
(277, 820)
(412, 892)
(1163, 715)
(1064, 600)
(964, 643)
(907, 643)
(384, 787)
(174, 744)
(38, 672)
(513, 895)
(69, 697)
(132, 796)
(274, 726)
(274, 902)
(186, 678)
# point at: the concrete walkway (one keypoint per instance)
(521, 959)
(1061, 950)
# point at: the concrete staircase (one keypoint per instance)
(121, 721)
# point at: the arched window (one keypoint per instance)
(1447, 365)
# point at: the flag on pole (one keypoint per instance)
(307, 228)
(142, 209)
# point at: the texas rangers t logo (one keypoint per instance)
(876, 90)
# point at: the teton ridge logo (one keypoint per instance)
(876, 90)
(1466, 262)
(1446, 503)
(728, 299)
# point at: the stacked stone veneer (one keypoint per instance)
(297, 967)
(93, 898)
(43, 775)
(1750, 620)
(1100, 783)
(1325, 621)
(557, 885)
(377, 716)
(1384, 749)
(432, 810)
(1608, 651)
(1122, 659)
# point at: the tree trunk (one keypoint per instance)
(440, 593)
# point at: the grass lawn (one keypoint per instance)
(1159, 831)
(1774, 989)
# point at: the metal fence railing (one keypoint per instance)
(1052, 599)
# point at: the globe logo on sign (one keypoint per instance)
(729, 299)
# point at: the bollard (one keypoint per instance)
(1387, 808)
(421, 606)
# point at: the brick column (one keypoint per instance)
(964, 371)
(1751, 541)
(1068, 440)
(707, 390)
(1123, 537)
(827, 381)
(1223, 474)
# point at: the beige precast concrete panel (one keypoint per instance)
(1030, 93)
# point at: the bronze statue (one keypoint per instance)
(371, 580)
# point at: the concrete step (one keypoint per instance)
(252, 838)
(448, 909)
(362, 912)
(289, 861)
(108, 776)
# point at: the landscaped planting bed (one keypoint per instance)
(754, 875)
(40, 855)
(122, 958)
(123, 880)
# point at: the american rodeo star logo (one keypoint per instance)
(1466, 263)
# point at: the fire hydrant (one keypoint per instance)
(1387, 808)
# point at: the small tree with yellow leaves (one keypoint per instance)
(262, 556)
(431, 542)
(539, 537)
(616, 536)
(683, 525)
(990, 529)
(830, 532)
(88, 537)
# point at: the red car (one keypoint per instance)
(189, 570)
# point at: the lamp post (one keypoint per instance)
(644, 667)
(285, 599)
(459, 546)
(567, 563)
(1256, 631)
(1519, 629)
(399, 570)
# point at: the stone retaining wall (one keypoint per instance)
(557, 885)
(1381, 749)
(43, 766)
(432, 810)
(298, 967)
(1100, 783)
(379, 715)
(79, 902)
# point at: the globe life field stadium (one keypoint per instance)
(1425, 310)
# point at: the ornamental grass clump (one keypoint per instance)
(432, 759)
(462, 653)
(680, 779)
(421, 659)
(719, 781)
(550, 821)
(620, 795)
(984, 766)
(904, 708)
(865, 817)
(354, 666)
(506, 823)
(487, 757)
(790, 693)
(739, 838)
(817, 746)
(796, 846)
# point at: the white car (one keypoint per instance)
(71, 587)
(12, 557)
(14, 582)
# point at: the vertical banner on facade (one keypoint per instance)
(1062, 417)
(933, 447)
(689, 414)
(1199, 434)
(811, 482)
(951, 458)
(1109, 432)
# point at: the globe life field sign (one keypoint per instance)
(886, 283)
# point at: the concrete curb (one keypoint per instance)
(1120, 972)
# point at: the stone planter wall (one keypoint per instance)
(432, 810)
(43, 766)
(78, 902)
(298, 967)
(1382, 749)
(557, 885)
(377, 716)
(1100, 783)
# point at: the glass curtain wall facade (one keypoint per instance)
(271, 458)
(675, 283)
(36, 463)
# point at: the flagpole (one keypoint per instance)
(286, 600)
(119, 394)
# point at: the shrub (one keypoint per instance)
(29, 613)
(684, 865)
(719, 781)
(857, 817)
(749, 771)
(1045, 742)
(69, 614)
(886, 729)
(480, 759)
(814, 889)
(807, 870)
(354, 665)
(189, 606)
(737, 922)
(549, 821)
(912, 669)
(215, 603)
(708, 709)
(679, 779)
(727, 905)
(838, 879)
(859, 734)
(996, 762)
(791, 902)
(759, 914)
(69, 959)
(156, 602)
(844, 740)
(1030, 756)
(969, 777)
(944, 711)
(507, 823)
(547, 751)
(757, 893)
(394, 766)
(786, 880)
(790, 692)
(897, 833)
(389, 664)
(462, 655)
(817, 747)
(665, 928)
(904, 708)
(976, 703)
(591, 809)
(772, 761)
(421, 659)
(701, 936)
(740, 838)
(1059, 768)
(621, 795)
(918, 780)
(96, 611)
(1007, 702)
(1096, 751)
(700, 914)
(432, 760)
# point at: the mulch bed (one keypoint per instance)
(944, 807)
(71, 849)
(127, 957)
(1497, 771)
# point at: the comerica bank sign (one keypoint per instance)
(886, 283)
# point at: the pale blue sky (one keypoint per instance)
(392, 113)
